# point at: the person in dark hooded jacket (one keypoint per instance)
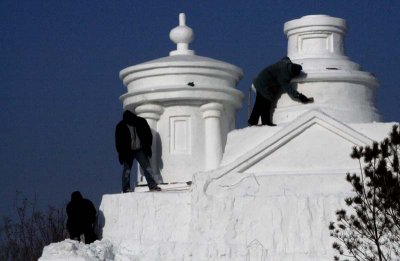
(270, 83)
(81, 220)
(133, 140)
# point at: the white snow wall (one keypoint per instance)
(254, 217)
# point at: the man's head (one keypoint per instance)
(128, 117)
(294, 69)
(76, 196)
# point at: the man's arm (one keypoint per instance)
(144, 132)
(287, 87)
(119, 133)
(147, 137)
(294, 94)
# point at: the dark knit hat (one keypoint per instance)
(128, 116)
(295, 69)
(76, 195)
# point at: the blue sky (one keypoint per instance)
(60, 87)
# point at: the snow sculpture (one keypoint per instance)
(339, 86)
(258, 193)
(189, 102)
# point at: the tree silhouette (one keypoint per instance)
(25, 238)
(370, 229)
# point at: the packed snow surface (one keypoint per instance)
(76, 251)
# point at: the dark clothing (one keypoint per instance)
(270, 83)
(262, 108)
(275, 79)
(81, 215)
(123, 136)
(144, 163)
(126, 155)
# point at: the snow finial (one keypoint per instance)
(182, 35)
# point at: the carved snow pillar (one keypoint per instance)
(213, 142)
(152, 113)
(181, 83)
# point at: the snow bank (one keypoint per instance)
(70, 250)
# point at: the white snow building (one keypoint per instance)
(258, 193)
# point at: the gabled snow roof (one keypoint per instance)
(272, 142)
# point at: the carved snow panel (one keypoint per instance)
(315, 43)
(180, 136)
(317, 148)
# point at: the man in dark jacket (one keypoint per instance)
(133, 139)
(81, 220)
(270, 84)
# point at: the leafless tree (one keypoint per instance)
(25, 237)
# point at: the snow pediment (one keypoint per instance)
(313, 143)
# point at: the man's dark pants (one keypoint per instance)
(144, 163)
(262, 107)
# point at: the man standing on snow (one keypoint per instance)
(81, 220)
(270, 84)
(133, 139)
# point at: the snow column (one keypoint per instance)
(189, 101)
(152, 113)
(213, 143)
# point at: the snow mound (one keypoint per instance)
(76, 251)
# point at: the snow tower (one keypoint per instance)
(189, 102)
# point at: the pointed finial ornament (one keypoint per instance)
(182, 35)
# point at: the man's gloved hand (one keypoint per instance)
(304, 99)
